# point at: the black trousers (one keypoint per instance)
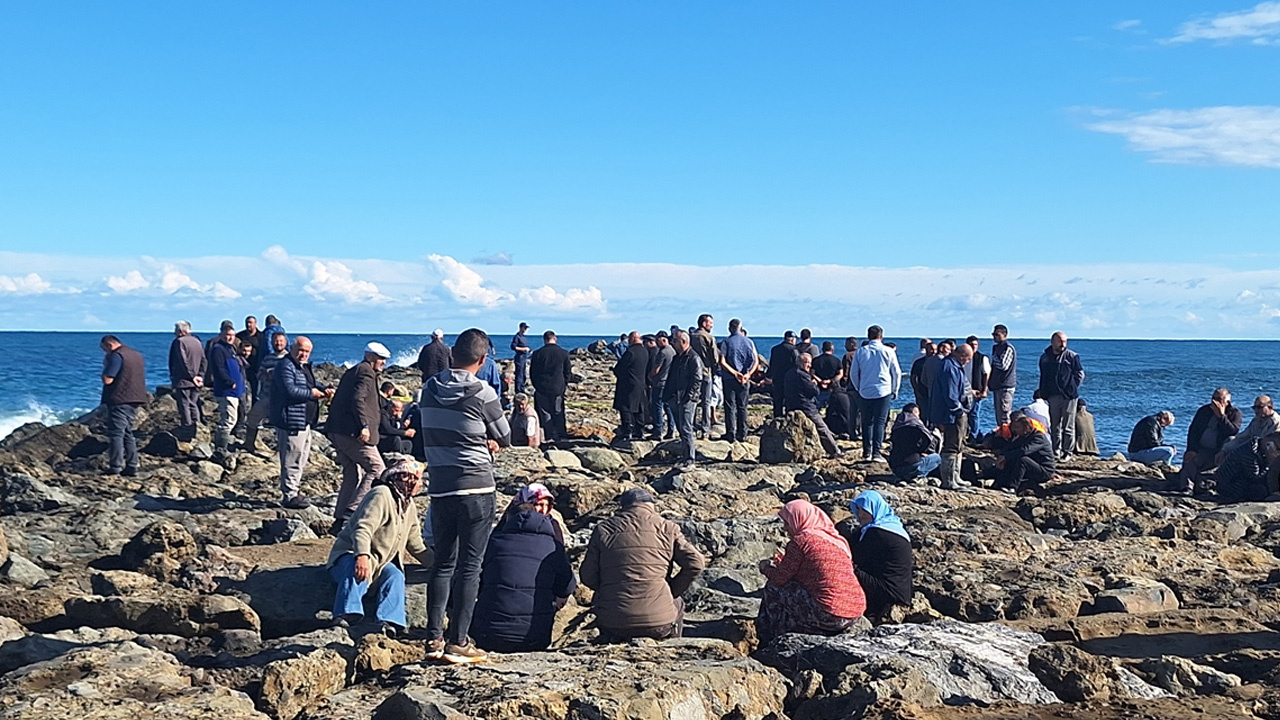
(1013, 474)
(736, 396)
(551, 415)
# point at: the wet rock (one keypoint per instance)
(159, 550)
(289, 686)
(792, 438)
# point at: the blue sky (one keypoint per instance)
(397, 166)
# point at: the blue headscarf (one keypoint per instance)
(882, 515)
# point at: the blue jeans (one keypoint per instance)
(684, 425)
(460, 527)
(350, 598)
(1150, 456)
(123, 454)
(664, 418)
(974, 416)
(875, 413)
(927, 464)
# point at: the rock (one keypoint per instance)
(21, 571)
(605, 461)
(167, 614)
(4, 547)
(1076, 676)
(378, 653)
(792, 438)
(289, 587)
(225, 612)
(289, 686)
(1137, 596)
(201, 451)
(159, 550)
(418, 703)
(11, 629)
(563, 459)
(23, 493)
(598, 347)
(122, 583)
(1185, 678)
(282, 530)
(162, 444)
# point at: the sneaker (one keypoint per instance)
(130, 472)
(459, 654)
(435, 649)
(878, 459)
(297, 502)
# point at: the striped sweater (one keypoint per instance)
(460, 414)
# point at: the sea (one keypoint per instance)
(53, 377)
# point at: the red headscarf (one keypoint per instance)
(805, 522)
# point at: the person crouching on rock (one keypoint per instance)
(525, 580)
(628, 564)
(811, 584)
(882, 556)
(1028, 457)
(366, 556)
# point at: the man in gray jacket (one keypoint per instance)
(187, 366)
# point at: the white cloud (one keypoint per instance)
(222, 292)
(1259, 25)
(277, 255)
(170, 280)
(1245, 136)
(572, 300)
(499, 258)
(173, 280)
(466, 286)
(30, 284)
(132, 281)
(333, 280)
(1127, 25)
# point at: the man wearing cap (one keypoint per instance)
(352, 429)
(521, 349)
(782, 358)
(628, 564)
(434, 356)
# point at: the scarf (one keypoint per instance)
(399, 477)
(882, 516)
(805, 522)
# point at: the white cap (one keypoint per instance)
(437, 333)
(378, 349)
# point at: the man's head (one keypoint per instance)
(520, 402)
(828, 347)
(376, 354)
(946, 347)
(1164, 418)
(1021, 426)
(962, 354)
(301, 349)
(806, 335)
(662, 339)
(524, 326)
(734, 326)
(804, 361)
(928, 348)
(875, 332)
(437, 334)
(272, 320)
(706, 322)
(634, 338)
(387, 389)
(181, 328)
(108, 343)
(279, 342)
(789, 337)
(634, 497)
(925, 343)
(470, 349)
(246, 350)
(1058, 341)
(972, 341)
(680, 340)
(251, 324)
(1270, 446)
(911, 409)
(1222, 396)
(999, 333)
(228, 331)
(1262, 406)
(397, 407)
(549, 337)
(850, 343)
(650, 341)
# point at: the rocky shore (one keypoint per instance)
(187, 592)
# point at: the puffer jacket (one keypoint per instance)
(627, 563)
(290, 396)
(525, 570)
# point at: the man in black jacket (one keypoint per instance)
(1146, 442)
(913, 448)
(434, 356)
(782, 359)
(683, 393)
(629, 390)
(1028, 458)
(1213, 425)
(1060, 376)
(550, 370)
(352, 429)
(801, 393)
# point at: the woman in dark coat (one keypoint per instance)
(525, 579)
(882, 556)
(629, 392)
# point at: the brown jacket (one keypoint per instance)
(378, 529)
(355, 403)
(628, 564)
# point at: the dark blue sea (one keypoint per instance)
(54, 376)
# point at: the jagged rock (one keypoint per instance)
(165, 614)
(225, 612)
(1185, 678)
(122, 583)
(378, 653)
(26, 649)
(1076, 676)
(162, 444)
(10, 629)
(598, 347)
(159, 550)
(21, 571)
(792, 438)
(1136, 596)
(418, 703)
(4, 546)
(23, 493)
(605, 461)
(289, 686)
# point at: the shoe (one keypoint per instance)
(130, 472)
(112, 471)
(460, 654)
(435, 649)
(390, 629)
(834, 455)
(878, 459)
(297, 502)
(668, 436)
(336, 527)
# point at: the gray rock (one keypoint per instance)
(792, 438)
(563, 459)
(282, 530)
(1137, 596)
(162, 444)
(1185, 678)
(605, 461)
(21, 571)
(159, 550)
(23, 493)
(1076, 676)
(418, 703)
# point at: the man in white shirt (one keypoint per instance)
(875, 376)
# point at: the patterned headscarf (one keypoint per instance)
(399, 477)
(806, 522)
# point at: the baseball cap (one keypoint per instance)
(227, 325)
(788, 334)
(378, 349)
(524, 325)
(437, 333)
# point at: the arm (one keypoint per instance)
(895, 374)
(781, 572)
(689, 560)
(590, 568)
(568, 370)
(495, 423)
(365, 395)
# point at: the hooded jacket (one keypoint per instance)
(909, 441)
(525, 570)
(459, 415)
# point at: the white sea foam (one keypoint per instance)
(405, 359)
(34, 412)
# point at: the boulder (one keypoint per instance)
(378, 653)
(162, 444)
(1136, 596)
(792, 438)
(21, 571)
(122, 583)
(605, 461)
(289, 686)
(563, 459)
(1076, 676)
(282, 530)
(23, 493)
(159, 550)
(1185, 678)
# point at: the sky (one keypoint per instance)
(1109, 169)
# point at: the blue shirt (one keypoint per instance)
(739, 352)
(874, 372)
(112, 364)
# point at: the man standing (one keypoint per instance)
(352, 429)
(802, 395)
(853, 418)
(782, 358)
(273, 326)
(979, 376)
(628, 394)
(261, 409)
(124, 388)
(295, 410)
(434, 356)
(1004, 374)
(664, 417)
(462, 425)
(1213, 425)
(254, 338)
(704, 346)
(550, 369)
(228, 385)
(828, 371)
(738, 363)
(806, 345)
(950, 398)
(918, 388)
(1060, 376)
(683, 392)
(876, 376)
(187, 365)
(521, 349)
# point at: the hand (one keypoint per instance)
(317, 393)
(328, 393)
(765, 564)
(493, 445)
(410, 432)
(364, 569)
(199, 381)
(364, 435)
(560, 602)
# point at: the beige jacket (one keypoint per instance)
(378, 529)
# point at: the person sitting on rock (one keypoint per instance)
(628, 564)
(800, 392)
(1086, 437)
(540, 498)
(525, 430)
(366, 556)
(913, 448)
(1249, 473)
(1028, 457)
(1214, 424)
(882, 557)
(811, 584)
(1146, 442)
(525, 579)
(395, 436)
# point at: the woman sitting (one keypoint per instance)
(882, 556)
(540, 498)
(812, 588)
(367, 553)
(525, 579)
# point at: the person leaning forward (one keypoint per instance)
(352, 429)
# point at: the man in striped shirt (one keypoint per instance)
(462, 425)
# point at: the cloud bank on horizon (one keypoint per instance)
(415, 295)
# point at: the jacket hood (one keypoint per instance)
(452, 386)
(528, 522)
(906, 418)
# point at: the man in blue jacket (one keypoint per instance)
(228, 384)
(950, 399)
(295, 409)
(1060, 376)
